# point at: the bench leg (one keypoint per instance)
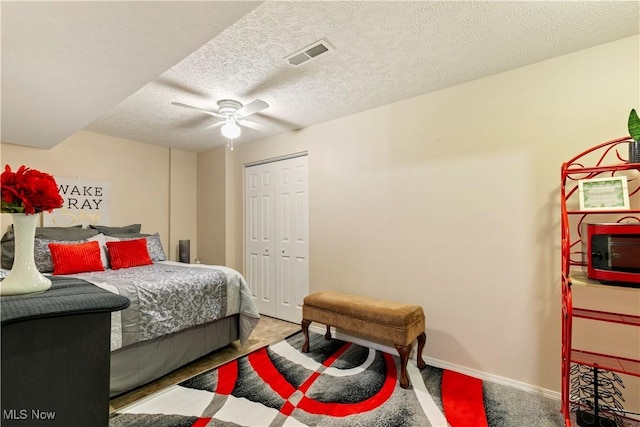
(305, 331)
(403, 351)
(327, 336)
(422, 338)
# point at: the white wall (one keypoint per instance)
(451, 200)
(140, 175)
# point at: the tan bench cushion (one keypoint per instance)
(387, 320)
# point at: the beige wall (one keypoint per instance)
(141, 176)
(211, 206)
(451, 200)
(183, 198)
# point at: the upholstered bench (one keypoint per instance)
(397, 323)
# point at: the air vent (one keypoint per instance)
(308, 53)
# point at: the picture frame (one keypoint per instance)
(604, 194)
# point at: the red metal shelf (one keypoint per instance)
(606, 158)
(607, 211)
(605, 316)
(598, 169)
(607, 362)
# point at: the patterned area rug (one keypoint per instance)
(335, 384)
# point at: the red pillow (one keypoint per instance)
(75, 257)
(128, 253)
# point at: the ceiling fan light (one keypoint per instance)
(230, 130)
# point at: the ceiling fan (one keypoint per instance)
(233, 115)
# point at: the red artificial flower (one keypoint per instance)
(28, 191)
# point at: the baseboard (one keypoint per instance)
(320, 329)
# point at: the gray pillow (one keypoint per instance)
(110, 231)
(75, 233)
(154, 246)
(8, 248)
(128, 236)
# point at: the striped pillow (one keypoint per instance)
(128, 253)
(75, 257)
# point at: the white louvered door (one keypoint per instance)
(277, 223)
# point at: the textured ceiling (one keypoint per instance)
(382, 52)
(64, 63)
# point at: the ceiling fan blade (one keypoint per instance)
(171, 83)
(213, 113)
(255, 125)
(198, 121)
(215, 125)
(252, 107)
(279, 122)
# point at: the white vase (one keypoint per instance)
(24, 277)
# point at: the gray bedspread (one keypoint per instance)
(167, 297)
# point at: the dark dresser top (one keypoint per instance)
(66, 296)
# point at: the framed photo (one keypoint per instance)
(599, 194)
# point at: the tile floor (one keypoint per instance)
(268, 330)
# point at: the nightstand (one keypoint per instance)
(55, 355)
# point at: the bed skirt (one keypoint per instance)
(143, 362)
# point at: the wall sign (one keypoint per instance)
(85, 202)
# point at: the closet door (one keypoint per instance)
(292, 246)
(277, 247)
(260, 235)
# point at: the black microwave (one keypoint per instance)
(611, 253)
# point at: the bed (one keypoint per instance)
(178, 313)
